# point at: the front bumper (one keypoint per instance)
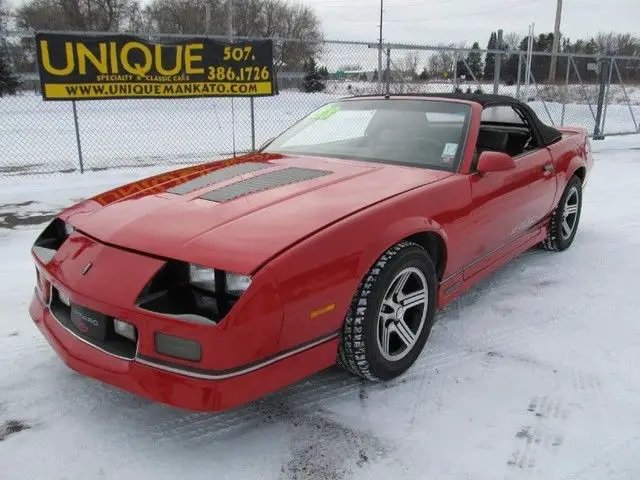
(188, 390)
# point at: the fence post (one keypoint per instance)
(253, 125)
(77, 126)
(597, 132)
(497, 64)
(388, 71)
(566, 91)
(455, 70)
(606, 96)
(519, 81)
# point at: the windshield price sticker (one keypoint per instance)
(80, 67)
(326, 111)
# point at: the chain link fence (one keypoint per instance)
(600, 93)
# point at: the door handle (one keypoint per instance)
(548, 168)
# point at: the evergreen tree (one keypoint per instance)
(312, 80)
(462, 70)
(490, 63)
(424, 75)
(323, 73)
(8, 81)
(474, 60)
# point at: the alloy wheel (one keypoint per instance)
(402, 314)
(570, 213)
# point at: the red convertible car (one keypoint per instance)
(211, 286)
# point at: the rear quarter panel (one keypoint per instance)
(569, 154)
(322, 273)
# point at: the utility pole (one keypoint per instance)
(230, 20)
(230, 39)
(497, 64)
(556, 43)
(380, 49)
(207, 18)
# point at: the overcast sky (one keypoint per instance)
(453, 21)
(434, 21)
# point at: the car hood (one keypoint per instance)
(236, 215)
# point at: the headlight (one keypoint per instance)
(205, 278)
(236, 284)
(202, 277)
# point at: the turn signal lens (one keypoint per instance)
(178, 347)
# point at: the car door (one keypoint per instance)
(506, 205)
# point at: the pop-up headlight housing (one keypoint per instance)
(193, 292)
(51, 239)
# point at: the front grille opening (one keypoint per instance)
(112, 343)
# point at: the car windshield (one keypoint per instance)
(419, 133)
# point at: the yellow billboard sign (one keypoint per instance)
(79, 67)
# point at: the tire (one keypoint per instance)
(559, 237)
(380, 325)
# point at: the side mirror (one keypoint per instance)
(495, 162)
(266, 144)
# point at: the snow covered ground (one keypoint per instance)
(39, 137)
(532, 374)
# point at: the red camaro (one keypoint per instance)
(211, 286)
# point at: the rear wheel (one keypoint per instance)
(564, 221)
(391, 314)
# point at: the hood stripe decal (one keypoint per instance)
(216, 176)
(267, 181)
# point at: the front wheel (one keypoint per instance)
(391, 314)
(564, 221)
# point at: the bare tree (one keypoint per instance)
(409, 64)
(86, 15)
(617, 43)
(251, 18)
(441, 62)
(4, 14)
(512, 40)
(606, 42)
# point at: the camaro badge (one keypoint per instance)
(86, 269)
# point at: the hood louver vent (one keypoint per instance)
(216, 176)
(264, 182)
